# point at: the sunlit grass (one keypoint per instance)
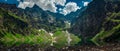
(74, 40)
(17, 17)
(115, 20)
(98, 39)
(43, 39)
(62, 39)
(17, 39)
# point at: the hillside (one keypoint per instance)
(12, 23)
(35, 16)
(32, 27)
(99, 22)
(16, 31)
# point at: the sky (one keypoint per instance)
(56, 6)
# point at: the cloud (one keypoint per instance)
(23, 5)
(85, 3)
(50, 5)
(69, 7)
(60, 2)
(46, 5)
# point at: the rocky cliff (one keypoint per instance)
(100, 15)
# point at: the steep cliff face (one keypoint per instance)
(99, 15)
(89, 22)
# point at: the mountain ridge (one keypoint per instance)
(36, 16)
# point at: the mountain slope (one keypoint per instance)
(35, 16)
(19, 27)
(12, 23)
(100, 16)
(69, 17)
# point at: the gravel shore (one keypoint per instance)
(106, 47)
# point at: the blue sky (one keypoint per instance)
(56, 6)
(9, 1)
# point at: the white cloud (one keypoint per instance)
(85, 3)
(60, 2)
(23, 5)
(47, 5)
(50, 5)
(69, 7)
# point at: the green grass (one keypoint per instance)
(98, 39)
(103, 34)
(1, 13)
(43, 39)
(115, 20)
(62, 39)
(17, 17)
(75, 40)
(0, 16)
(112, 16)
(17, 39)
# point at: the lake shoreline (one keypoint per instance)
(106, 47)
